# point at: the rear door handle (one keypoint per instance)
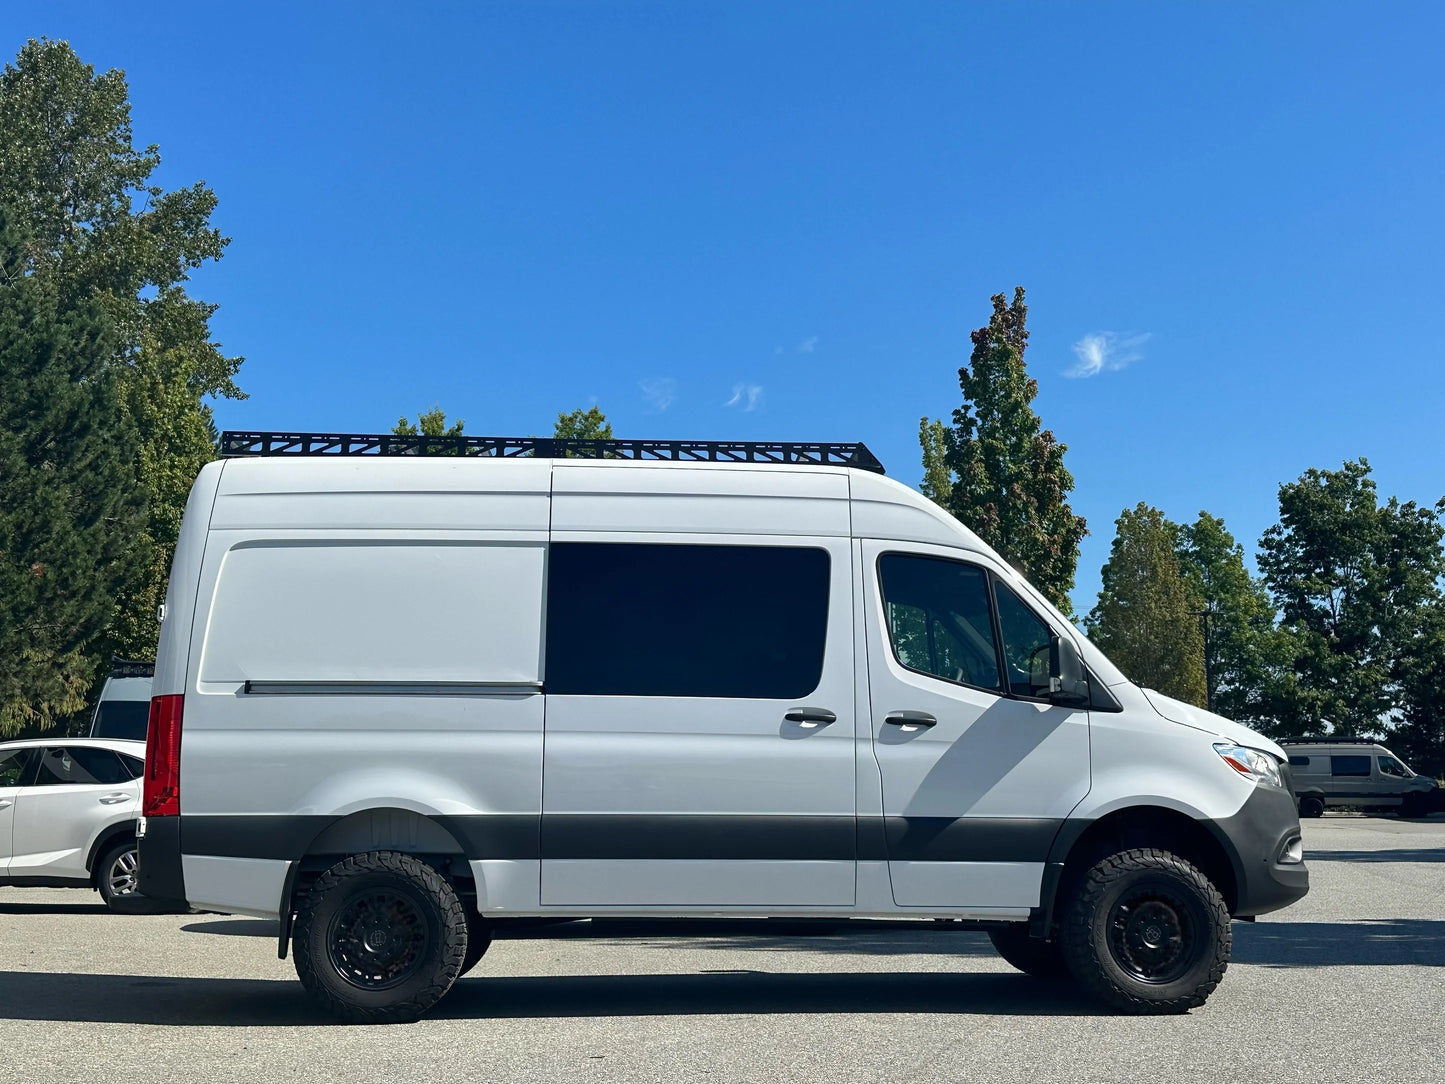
(911, 720)
(811, 716)
(114, 799)
(5, 803)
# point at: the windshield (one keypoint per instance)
(121, 719)
(1391, 766)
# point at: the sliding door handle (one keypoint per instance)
(911, 720)
(811, 716)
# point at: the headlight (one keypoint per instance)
(1260, 767)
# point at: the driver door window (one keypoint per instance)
(938, 619)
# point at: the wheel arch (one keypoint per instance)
(1080, 843)
(103, 840)
(378, 828)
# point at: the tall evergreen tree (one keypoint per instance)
(69, 499)
(101, 231)
(1354, 581)
(997, 469)
(1243, 650)
(1143, 619)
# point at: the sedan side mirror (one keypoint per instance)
(1067, 684)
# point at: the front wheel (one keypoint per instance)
(1041, 959)
(1147, 932)
(1311, 806)
(380, 937)
(115, 874)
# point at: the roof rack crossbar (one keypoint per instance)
(813, 453)
(131, 668)
(1328, 740)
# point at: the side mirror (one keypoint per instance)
(1067, 684)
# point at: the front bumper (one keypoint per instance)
(1256, 839)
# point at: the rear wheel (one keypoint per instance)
(1147, 932)
(1041, 959)
(115, 873)
(1310, 806)
(380, 937)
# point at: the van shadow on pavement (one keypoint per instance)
(205, 1002)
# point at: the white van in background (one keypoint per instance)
(1356, 773)
(125, 701)
(407, 687)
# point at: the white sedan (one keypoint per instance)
(68, 810)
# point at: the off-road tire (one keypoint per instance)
(1311, 806)
(429, 913)
(1121, 908)
(1041, 959)
(479, 939)
(115, 900)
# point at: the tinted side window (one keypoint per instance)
(80, 765)
(1349, 765)
(1391, 766)
(1025, 645)
(12, 767)
(636, 619)
(938, 618)
(121, 719)
(1299, 762)
(134, 765)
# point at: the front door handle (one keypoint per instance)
(911, 720)
(811, 716)
(114, 799)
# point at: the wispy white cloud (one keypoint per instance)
(1105, 351)
(747, 396)
(806, 346)
(659, 392)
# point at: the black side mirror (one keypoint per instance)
(1067, 684)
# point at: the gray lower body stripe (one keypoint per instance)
(666, 837)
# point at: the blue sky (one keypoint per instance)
(770, 220)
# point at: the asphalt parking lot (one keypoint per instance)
(1349, 984)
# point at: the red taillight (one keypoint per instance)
(161, 795)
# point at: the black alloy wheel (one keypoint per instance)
(1311, 806)
(1151, 935)
(379, 937)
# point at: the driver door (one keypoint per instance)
(979, 770)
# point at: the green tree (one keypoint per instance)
(101, 232)
(997, 469)
(1143, 618)
(1244, 649)
(581, 424)
(1417, 730)
(1354, 581)
(429, 423)
(69, 499)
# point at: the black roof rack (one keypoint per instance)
(1327, 740)
(131, 668)
(812, 453)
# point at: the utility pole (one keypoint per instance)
(1205, 614)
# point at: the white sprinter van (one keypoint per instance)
(401, 697)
